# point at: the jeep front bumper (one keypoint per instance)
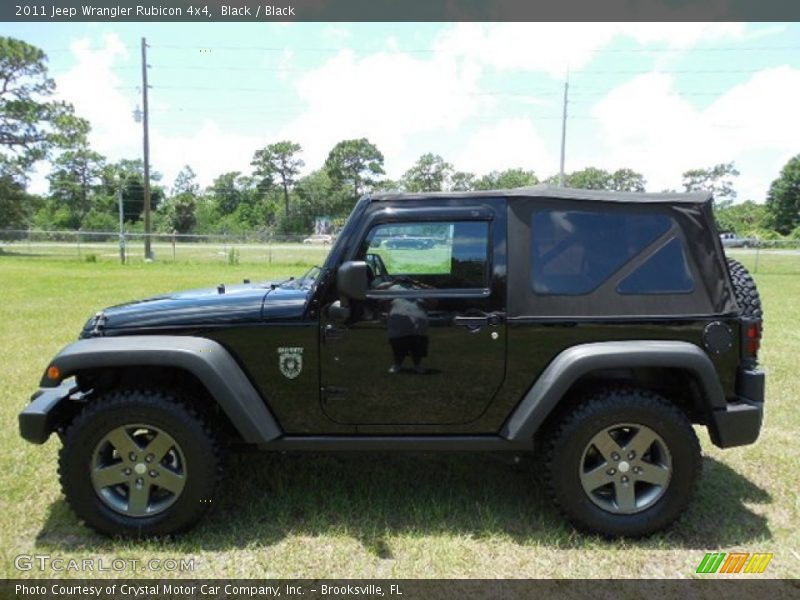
(739, 423)
(41, 417)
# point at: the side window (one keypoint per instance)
(665, 272)
(575, 251)
(441, 254)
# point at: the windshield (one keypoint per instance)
(305, 281)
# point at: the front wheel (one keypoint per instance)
(139, 463)
(624, 463)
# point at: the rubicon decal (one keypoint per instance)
(735, 562)
(290, 361)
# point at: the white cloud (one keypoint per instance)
(285, 64)
(210, 151)
(387, 97)
(761, 111)
(392, 96)
(552, 47)
(409, 103)
(647, 125)
(94, 88)
(511, 143)
(681, 35)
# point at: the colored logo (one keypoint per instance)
(735, 562)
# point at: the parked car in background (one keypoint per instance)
(319, 238)
(731, 240)
(418, 243)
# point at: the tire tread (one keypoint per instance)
(745, 290)
(120, 399)
(612, 398)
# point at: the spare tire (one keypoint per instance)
(745, 291)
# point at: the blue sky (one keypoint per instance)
(658, 98)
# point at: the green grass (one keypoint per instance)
(379, 516)
(429, 261)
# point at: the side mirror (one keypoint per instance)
(351, 280)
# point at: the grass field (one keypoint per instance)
(379, 516)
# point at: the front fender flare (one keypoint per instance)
(206, 359)
(575, 362)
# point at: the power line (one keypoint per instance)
(211, 47)
(669, 71)
(225, 67)
(277, 91)
(453, 52)
(259, 108)
(515, 93)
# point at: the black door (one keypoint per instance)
(427, 346)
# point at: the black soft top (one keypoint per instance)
(557, 193)
(581, 232)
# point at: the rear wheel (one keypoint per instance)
(139, 463)
(624, 463)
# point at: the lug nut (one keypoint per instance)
(611, 471)
(132, 457)
(126, 471)
(149, 458)
(153, 473)
(615, 456)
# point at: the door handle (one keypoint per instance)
(471, 323)
(475, 321)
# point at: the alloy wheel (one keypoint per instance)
(138, 470)
(625, 468)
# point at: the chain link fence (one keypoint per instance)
(776, 257)
(109, 246)
(765, 257)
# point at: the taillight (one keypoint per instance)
(752, 338)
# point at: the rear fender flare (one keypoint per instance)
(573, 363)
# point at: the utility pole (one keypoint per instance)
(564, 132)
(148, 255)
(121, 226)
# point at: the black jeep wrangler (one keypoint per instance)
(591, 328)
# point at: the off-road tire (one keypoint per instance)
(565, 447)
(745, 291)
(120, 408)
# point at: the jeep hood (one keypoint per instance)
(228, 305)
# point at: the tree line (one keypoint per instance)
(276, 195)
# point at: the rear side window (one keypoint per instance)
(666, 272)
(575, 251)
